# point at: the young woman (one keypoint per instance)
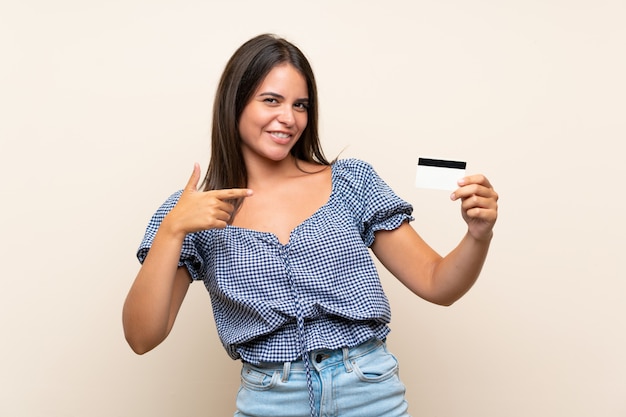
(280, 237)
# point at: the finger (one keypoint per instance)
(232, 193)
(475, 201)
(482, 213)
(222, 216)
(471, 189)
(223, 208)
(479, 179)
(192, 184)
(467, 191)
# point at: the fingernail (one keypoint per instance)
(452, 196)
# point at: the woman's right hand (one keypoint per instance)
(201, 210)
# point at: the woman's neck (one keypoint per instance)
(265, 172)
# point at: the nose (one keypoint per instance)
(286, 116)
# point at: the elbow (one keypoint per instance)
(139, 339)
(447, 298)
(138, 346)
(443, 303)
(140, 350)
(141, 335)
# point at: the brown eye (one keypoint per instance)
(301, 106)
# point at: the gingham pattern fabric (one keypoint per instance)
(326, 271)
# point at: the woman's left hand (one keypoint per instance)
(479, 205)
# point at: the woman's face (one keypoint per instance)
(276, 115)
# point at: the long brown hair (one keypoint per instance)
(244, 72)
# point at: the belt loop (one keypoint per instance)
(286, 371)
(346, 359)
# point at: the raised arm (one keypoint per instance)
(160, 287)
(443, 280)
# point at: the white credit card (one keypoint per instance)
(439, 174)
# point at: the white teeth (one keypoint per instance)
(280, 135)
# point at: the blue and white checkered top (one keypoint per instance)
(325, 273)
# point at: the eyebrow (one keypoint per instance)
(276, 95)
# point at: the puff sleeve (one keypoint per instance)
(375, 206)
(189, 256)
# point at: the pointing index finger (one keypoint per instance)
(234, 193)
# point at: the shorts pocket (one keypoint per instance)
(375, 367)
(258, 379)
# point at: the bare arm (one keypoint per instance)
(160, 287)
(156, 295)
(443, 280)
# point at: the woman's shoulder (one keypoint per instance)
(171, 201)
(354, 164)
(353, 178)
(165, 207)
(353, 168)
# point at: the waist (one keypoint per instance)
(319, 358)
(284, 345)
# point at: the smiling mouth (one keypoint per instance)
(281, 135)
(281, 138)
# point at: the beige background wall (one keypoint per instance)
(105, 105)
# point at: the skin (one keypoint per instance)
(270, 125)
(443, 280)
(286, 192)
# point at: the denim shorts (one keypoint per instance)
(350, 382)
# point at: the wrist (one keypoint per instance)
(170, 229)
(481, 238)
